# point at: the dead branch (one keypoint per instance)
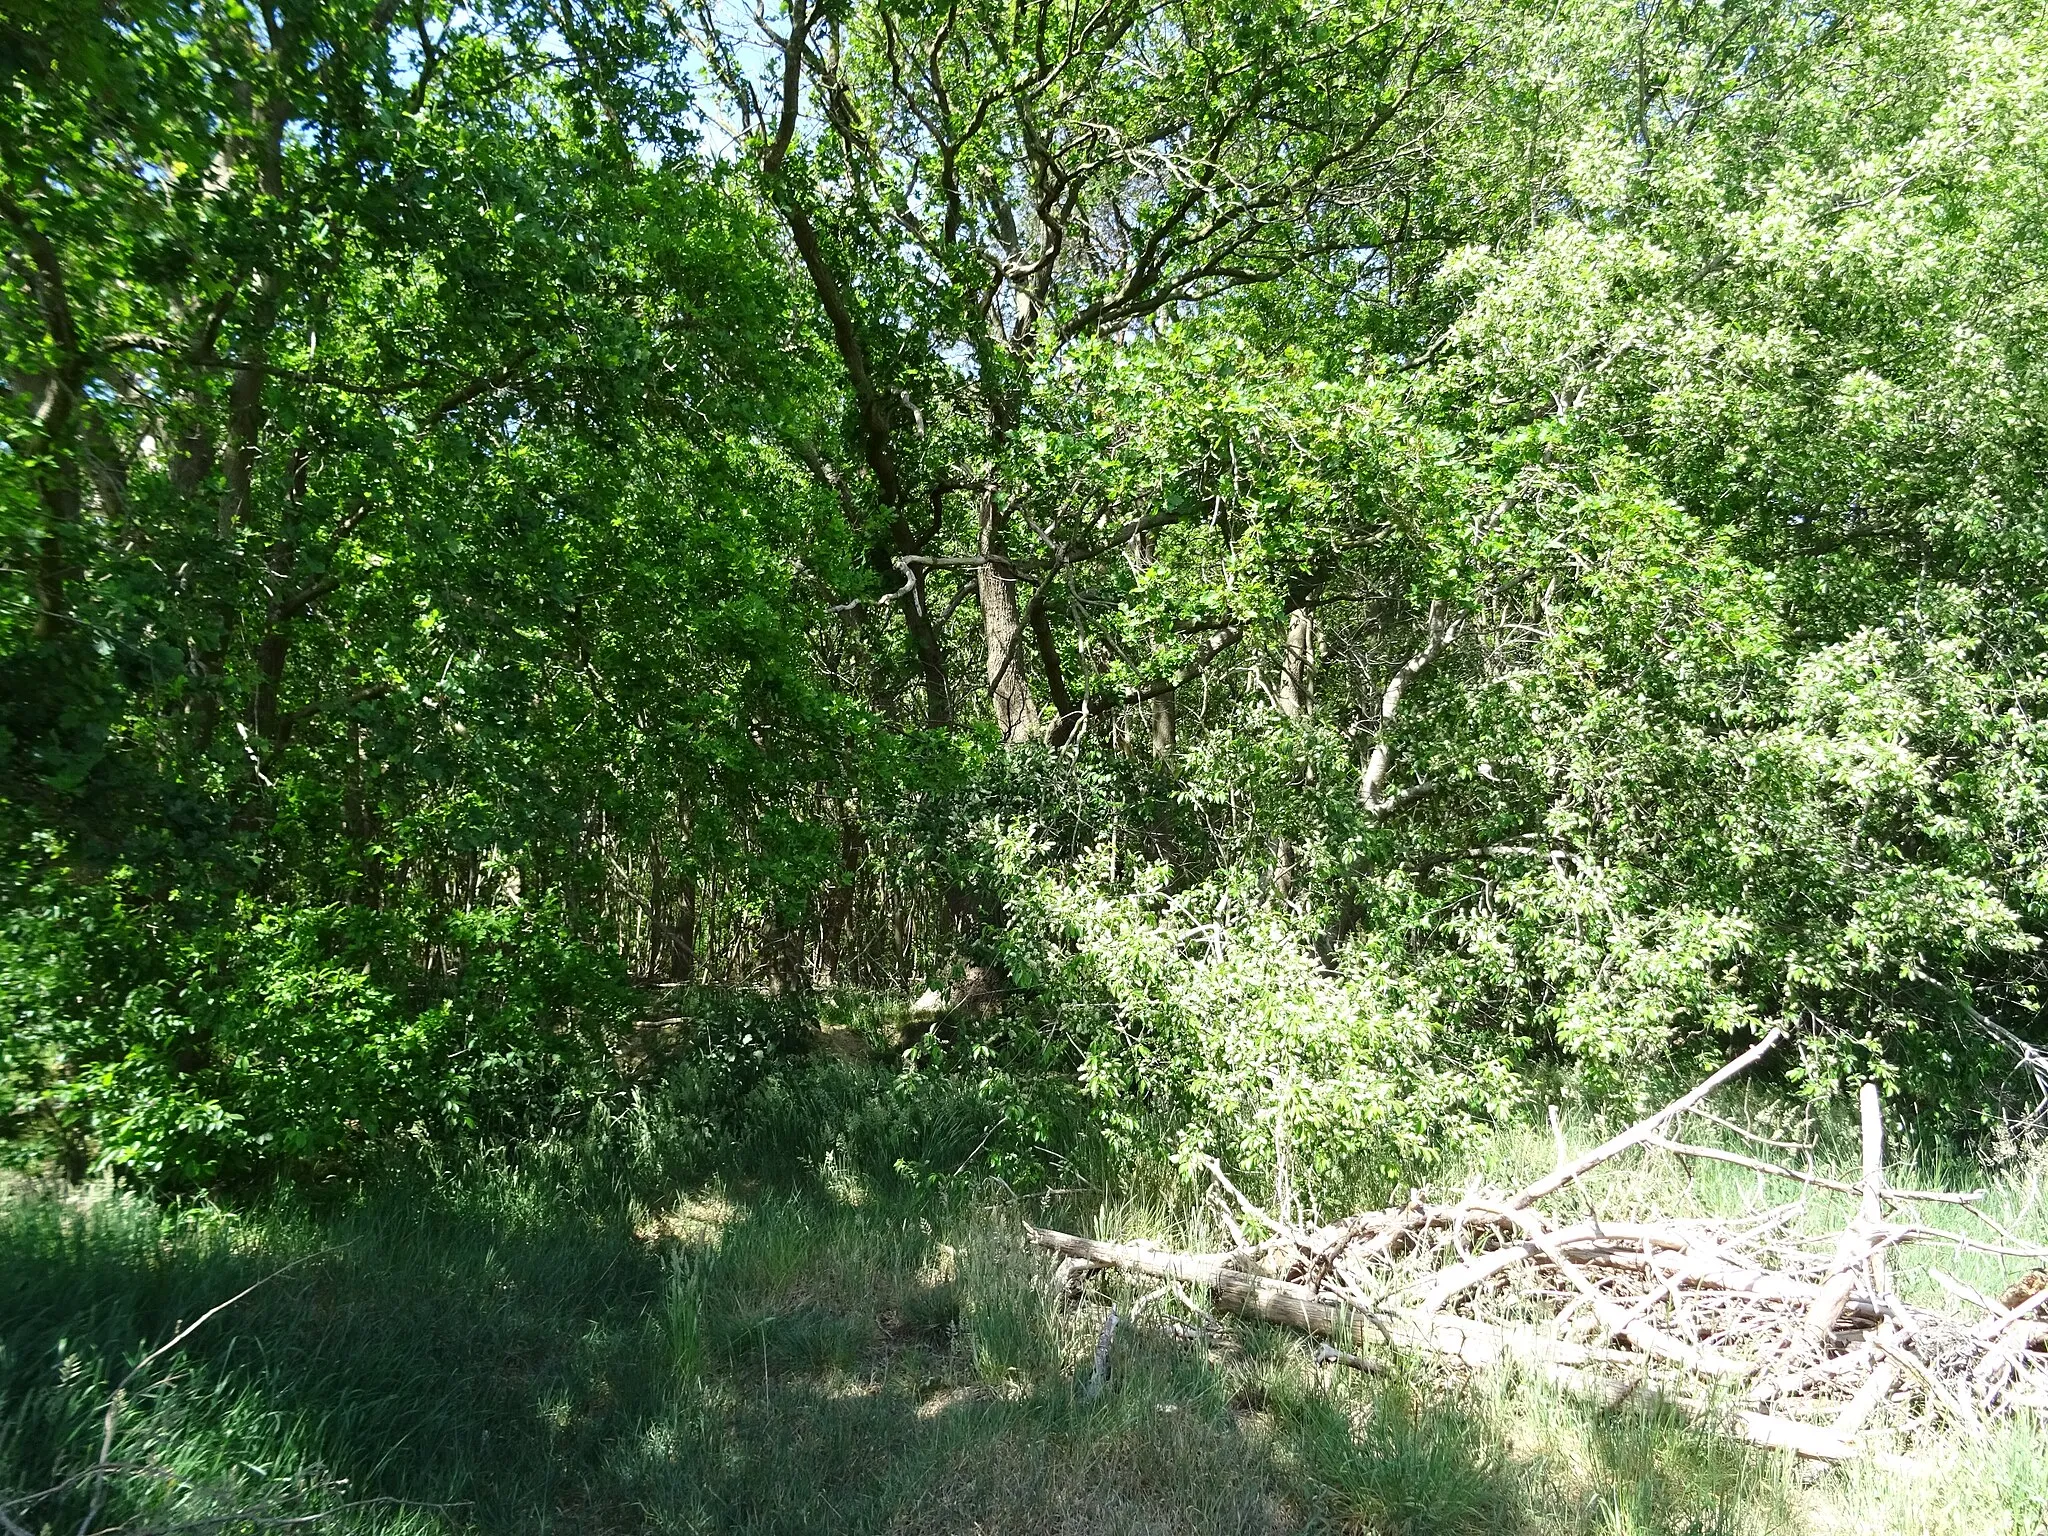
(1439, 632)
(1812, 1180)
(1615, 1146)
(1833, 1361)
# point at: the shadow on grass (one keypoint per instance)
(605, 1341)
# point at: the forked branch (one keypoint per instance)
(1372, 785)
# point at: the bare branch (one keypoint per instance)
(1371, 787)
(1642, 1130)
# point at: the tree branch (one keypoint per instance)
(1372, 784)
(792, 79)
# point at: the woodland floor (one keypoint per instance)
(606, 1337)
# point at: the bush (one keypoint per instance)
(1207, 1023)
(186, 1042)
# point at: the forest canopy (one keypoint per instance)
(1308, 566)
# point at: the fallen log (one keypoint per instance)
(1244, 1294)
(1562, 1362)
(1827, 1353)
(1816, 1442)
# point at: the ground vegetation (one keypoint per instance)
(1278, 587)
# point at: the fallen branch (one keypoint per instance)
(1812, 1180)
(1623, 1310)
(1608, 1150)
(1243, 1294)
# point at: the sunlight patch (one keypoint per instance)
(939, 1402)
(697, 1220)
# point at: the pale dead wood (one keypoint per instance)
(1958, 1408)
(1918, 1233)
(1608, 1150)
(1857, 1359)
(1814, 1180)
(1100, 1374)
(1810, 1440)
(1877, 1386)
(1646, 1337)
(1826, 1350)
(1871, 1212)
(1278, 1301)
(2011, 1315)
(1962, 1292)
(1439, 632)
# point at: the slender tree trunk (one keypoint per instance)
(1296, 660)
(60, 499)
(924, 641)
(1296, 693)
(835, 918)
(245, 426)
(1067, 711)
(1163, 705)
(1002, 627)
(1163, 725)
(262, 134)
(247, 415)
(53, 448)
(878, 448)
(684, 935)
(273, 649)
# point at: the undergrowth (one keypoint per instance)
(646, 1326)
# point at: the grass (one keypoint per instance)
(640, 1330)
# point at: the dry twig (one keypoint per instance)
(1678, 1309)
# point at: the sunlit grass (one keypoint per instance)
(621, 1334)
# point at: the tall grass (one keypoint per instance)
(652, 1326)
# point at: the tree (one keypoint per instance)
(976, 191)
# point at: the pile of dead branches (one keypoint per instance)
(1789, 1339)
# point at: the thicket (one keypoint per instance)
(1308, 565)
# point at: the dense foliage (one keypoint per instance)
(1306, 563)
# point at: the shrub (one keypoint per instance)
(186, 1042)
(1208, 1023)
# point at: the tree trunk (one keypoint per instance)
(1163, 725)
(1296, 683)
(59, 495)
(53, 446)
(1002, 628)
(877, 438)
(275, 646)
(835, 919)
(683, 933)
(247, 415)
(931, 656)
(1297, 657)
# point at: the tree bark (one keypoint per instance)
(877, 439)
(1002, 628)
(683, 933)
(273, 649)
(1296, 692)
(924, 634)
(247, 415)
(55, 471)
(835, 918)
(1163, 725)
(1296, 660)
